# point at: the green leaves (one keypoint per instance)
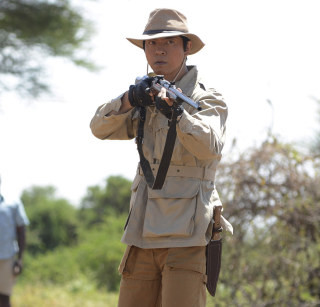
(95, 258)
(53, 221)
(112, 198)
(31, 30)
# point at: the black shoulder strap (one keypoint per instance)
(156, 183)
(139, 140)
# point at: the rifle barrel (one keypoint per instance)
(169, 87)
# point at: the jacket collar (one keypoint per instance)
(189, 81)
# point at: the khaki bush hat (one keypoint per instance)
(167, 23)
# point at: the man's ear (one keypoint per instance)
(188, 48)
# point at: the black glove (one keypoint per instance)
(167, 110)
(138, 97)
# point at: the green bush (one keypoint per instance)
(96, 258)
(58, 267)
(101, 250)
(53, 220)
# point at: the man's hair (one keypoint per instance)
(184, 41)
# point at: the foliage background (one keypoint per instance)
(270, 195)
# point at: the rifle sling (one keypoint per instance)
(156, 183)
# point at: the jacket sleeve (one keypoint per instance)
(203, 132)
(113, 127)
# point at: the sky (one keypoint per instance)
(263, 56)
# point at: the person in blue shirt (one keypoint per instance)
(13, 222)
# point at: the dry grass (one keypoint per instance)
(73, 295)
(37, 295)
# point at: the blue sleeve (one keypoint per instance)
(21, 218)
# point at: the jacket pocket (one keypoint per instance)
(171, 210)
(134, 188)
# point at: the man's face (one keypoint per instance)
(165, 55)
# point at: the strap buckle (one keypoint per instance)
(139, 139)
(220, 229)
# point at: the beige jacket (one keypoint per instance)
(180, 214)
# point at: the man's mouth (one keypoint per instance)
(160, 63)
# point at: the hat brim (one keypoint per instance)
(197, 43)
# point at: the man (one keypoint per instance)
(168, 226)
(13, 220)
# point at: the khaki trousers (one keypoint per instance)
(7, 279)
(166, 277)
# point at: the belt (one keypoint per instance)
(184, 171)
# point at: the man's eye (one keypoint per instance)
(151, 42)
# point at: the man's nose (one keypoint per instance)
(160, 51)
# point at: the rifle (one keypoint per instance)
(158, 82)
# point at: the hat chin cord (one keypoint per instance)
(178, 73)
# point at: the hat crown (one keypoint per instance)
(167, 23)
(163, 20)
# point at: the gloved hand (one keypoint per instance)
(138, 97)
(167, 110)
